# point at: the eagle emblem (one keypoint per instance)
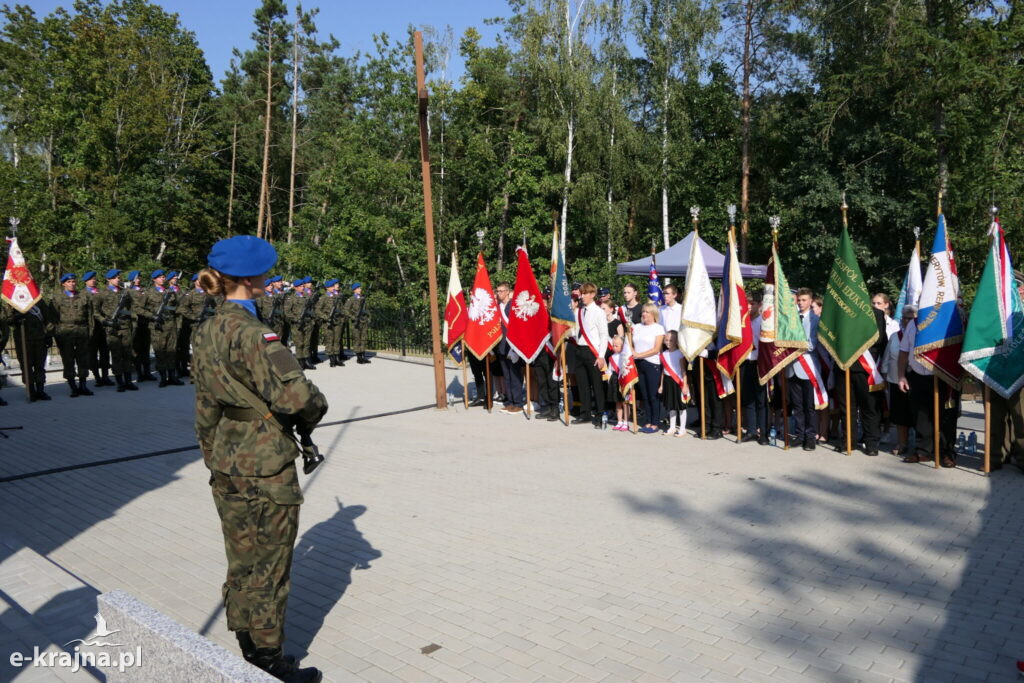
(481, 306)
(526, 306)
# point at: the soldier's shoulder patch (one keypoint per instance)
(271, 337)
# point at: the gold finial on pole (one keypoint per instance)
(694, 213)
(843, 207)
(774, 221)
(938, 212)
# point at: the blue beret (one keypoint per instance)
(306, 280)
(156, 273)
(331, 282)
(132, 275)
(242, 256)
(299, 282)
(272, 280)
(356, 285)
(88, 275)
(195, 277)
(67, 276)
(171, 274)
(112, 273)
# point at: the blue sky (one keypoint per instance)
(221, 25)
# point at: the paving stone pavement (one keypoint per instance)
(525, 550)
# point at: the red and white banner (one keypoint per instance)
(528, 326)
(455, 317)
(483, 329)
(19, 289)
(625, 368)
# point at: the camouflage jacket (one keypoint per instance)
(72, 312)
(265, 305)
(153, 299)
(329, 306)
(352, 311)
(105, 306)
(191, 304)
(294, 305)
(233, 351)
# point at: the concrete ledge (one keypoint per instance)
(164, 649)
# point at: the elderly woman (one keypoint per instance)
(648, 341)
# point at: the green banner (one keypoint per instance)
(847, 327)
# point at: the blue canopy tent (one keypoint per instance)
(675, 262)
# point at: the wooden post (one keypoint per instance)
(528, 408)
(465, 379)
(703, 406)
(441, 397)
(565, 384)
(490, 394)
(849, 416)
(785, 412)
(987, 467)
(935, 420)
(739, 407)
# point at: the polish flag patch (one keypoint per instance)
(270, 336)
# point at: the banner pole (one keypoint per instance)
(785, 412)
(739, 406)
(465, 379)
(703, 407)
(935, 420)
(565, 383)
(490, 394)
(529, 401)
(26, 364)
(849, 416)
(632, 400)
(987, 468)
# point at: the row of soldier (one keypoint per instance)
(109, 331)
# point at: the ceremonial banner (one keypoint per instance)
(528, 327)
(940, 325)
(19, 289)
(735, 336)
(561, 296)
(698, 315)
(626, 368)
(847, 327)
(653, 286)
(993, 348)
(483, 330)
(910, 293)
(455, 317)
(782, 337)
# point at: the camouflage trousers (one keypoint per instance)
(121, 355)
(332, 339)
(73, 344)
(165, 346)
(259, 517)
(359, 338)
(300, 338)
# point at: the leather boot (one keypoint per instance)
(332, 362)
(271, 661)
(40, 394)
(172, 379)
(361, 358)
(249, 648)
(147, 367)
(75, 393)
(120, 383)
(82, 388)
(163, 379)
(104, 381)
(128, 384)
(341, 360)
(2, 402)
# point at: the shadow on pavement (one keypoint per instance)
(322, 568)
(896, 591)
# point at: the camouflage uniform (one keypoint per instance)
(99, 354)
(360, 326)
(164, 326)
(294, 306)
(236, 359)
(74, 325)
(119, 330)
(331, 314)
(38, 324)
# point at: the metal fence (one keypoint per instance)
(399, 330)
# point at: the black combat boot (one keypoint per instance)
(75, 393)
(361, 358)
(282, 668)
(40, 394)
(103, 381)
(120, 383)
(82, 388)
(249, 648)
(331, 362)
(341, 359)
(149, 376)
(128, 384)
(3, 402)
(163, 378)
(172, 379)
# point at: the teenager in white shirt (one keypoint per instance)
(671, 313)
(590, 345)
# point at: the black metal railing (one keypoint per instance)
(398, 329)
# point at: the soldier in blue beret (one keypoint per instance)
(299, 311)
(142, 335)
(359, 318)
(99, 354)
(112, 310)
(73, 313)
(246, 381)
(331, 315)
(160, 312)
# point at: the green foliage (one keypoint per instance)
(119, 146)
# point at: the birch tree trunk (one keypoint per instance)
(748, 27)
(264, 188)
(295, 119)
(611, 167)
(570, 125)
(231, 185)
(664, 159)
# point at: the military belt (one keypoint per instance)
(241, 414)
